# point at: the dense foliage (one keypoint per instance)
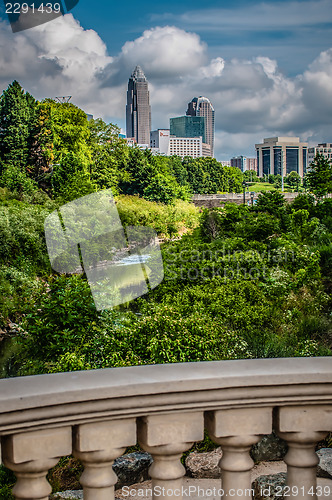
(248, 282)
(240, 281)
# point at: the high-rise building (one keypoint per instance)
(282, 154)
(188, 126)
(324, 148)
(244, 163)
(138, 110)
(201, 106)
(239, 162)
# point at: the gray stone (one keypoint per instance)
(204, 465)
(270, 448)
(269, 487)
(68, 495)
(324, 468)
(132, 468)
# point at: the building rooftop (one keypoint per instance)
(282, 139)
(138, 74)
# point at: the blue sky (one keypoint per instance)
(294, 32)
(266, 66)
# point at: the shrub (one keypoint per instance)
(165, 220)
(270, 201)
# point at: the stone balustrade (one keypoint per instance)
(97, 414)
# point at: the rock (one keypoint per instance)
(324, 468)
(132, 468)
(270, 448)
(204, 465)
(68, 495)
(269, 487)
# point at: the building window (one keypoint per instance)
(266, 161)
(304, 157)
(292, 160)
(277, 160)
(258, 161)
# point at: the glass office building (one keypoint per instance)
(188, 126)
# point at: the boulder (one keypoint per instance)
(204, 465)
(270, 448)
(324, 468)
(132, 468)
(68, 495)
(269, 487)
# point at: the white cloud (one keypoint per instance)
(165, 52)
(251, 97)
(317, 88)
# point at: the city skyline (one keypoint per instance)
(266, 67)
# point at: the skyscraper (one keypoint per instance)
(201, 106)
(138, 110)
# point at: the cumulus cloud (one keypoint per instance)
(251, 97)
(317, 88)
(165, 52)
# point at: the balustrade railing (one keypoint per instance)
(97, 414)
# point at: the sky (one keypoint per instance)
(266, 66)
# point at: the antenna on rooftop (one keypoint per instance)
(63, 99)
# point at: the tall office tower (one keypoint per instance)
(201, 106)
(138, 110)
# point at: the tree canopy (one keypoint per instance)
(319, 176)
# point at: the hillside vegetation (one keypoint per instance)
(240, 282)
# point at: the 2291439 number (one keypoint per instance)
(24, 8)
(287, 491)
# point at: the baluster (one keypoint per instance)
(302, 427)
(166, 437)
(30, 455)
(97, 445)
(236, 431)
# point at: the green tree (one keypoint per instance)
(70, 129)
(304, 201)
(41, 148)
(161, 189)
(108, 154)
(208, 176)
(139, 172)
(319, 176)
(270, 201)
(16, 115)
(70, 179)
(179, 170)
(250, 176)
(277, 181)
(293, 179)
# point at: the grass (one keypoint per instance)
(265, 186)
